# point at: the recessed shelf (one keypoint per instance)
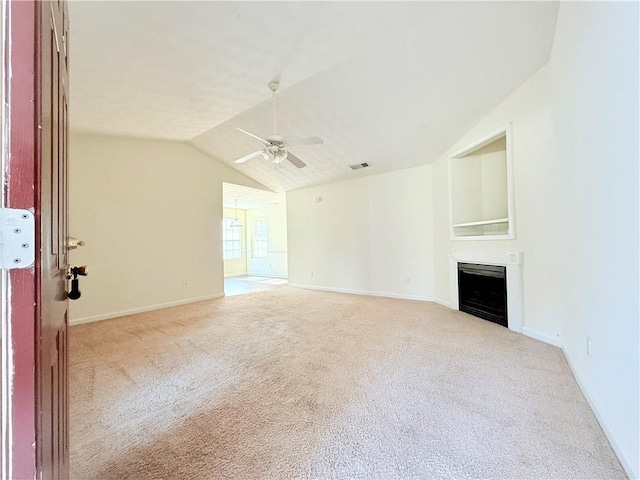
(481, 189)
(482, 222)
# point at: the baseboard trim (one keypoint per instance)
(525, 331)
(107, 316)
(227, 275)
(266, 275)
(363, 292)
(444, 303)
(602, 420)
(543, 337)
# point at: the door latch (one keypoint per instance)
(72, 274)
(17, 238)
(73, 243)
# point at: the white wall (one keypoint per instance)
(494, 180)
(594, 71)
(528, 110)
(150, 212)
(369, 235)
(575, 142)
(467, 197)
(275, 263)
(480, 184)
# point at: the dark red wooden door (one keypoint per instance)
(37, 180)
(52, 114)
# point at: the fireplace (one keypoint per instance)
(482, 291)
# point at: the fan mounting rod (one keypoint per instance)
(273, 86)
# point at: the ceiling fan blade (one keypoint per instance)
(297, 142)
(248, 157)
(266, 142)
(295, 160)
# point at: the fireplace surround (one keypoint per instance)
(482, 291)
(513, 263)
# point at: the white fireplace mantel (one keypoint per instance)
(513, 261)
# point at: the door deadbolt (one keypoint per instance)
(73, 273)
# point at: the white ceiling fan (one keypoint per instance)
(274, 145)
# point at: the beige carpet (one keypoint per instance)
(292, 383)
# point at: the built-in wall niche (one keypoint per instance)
(480, 186)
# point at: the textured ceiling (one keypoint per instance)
(249, 197)
(176, 69)
(392, 84)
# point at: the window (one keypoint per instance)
(231, 240)
(260, 249)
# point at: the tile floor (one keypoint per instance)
(250, 284)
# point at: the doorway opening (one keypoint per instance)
(254, 239)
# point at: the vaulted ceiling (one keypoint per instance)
(392, 84)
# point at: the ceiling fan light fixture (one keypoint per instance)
(275, 155)
(275, 148)
(281, 155)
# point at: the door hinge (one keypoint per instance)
(17, 238)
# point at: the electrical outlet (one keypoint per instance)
(589, 348)
(185, 285)
(408, 279)
(311, 274)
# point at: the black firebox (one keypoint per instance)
(482, 291)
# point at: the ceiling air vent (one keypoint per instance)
(358, 166)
